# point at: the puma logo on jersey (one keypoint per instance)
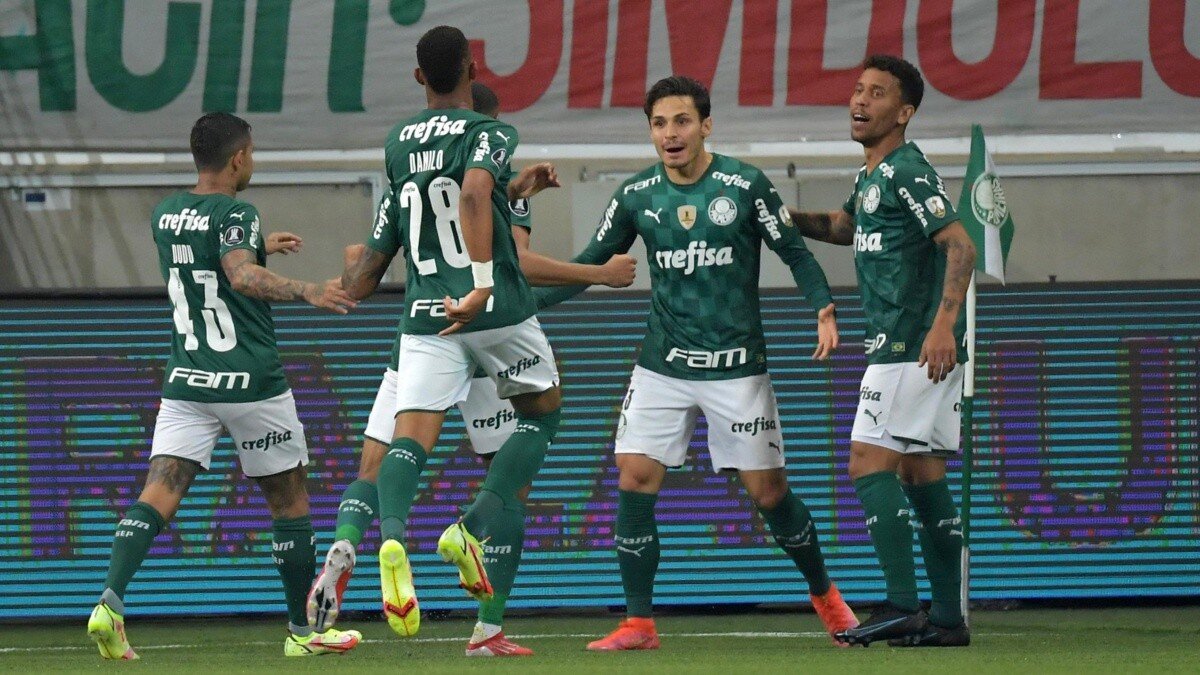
(240, 216)
(501, 135)
(654, 214)
(923, 179)
(438, 125)
(697, 254)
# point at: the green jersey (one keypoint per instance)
(518, 209)
(704, 241)
(426, 158)
(223, 348)
(897, 208)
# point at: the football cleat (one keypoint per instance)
(325, 598)
(887, 622)
(633, 633)
(107, 629)
(497, 645)
(835, 613)
(399, 597)
(936, 636)
(332, 641)
(461, 548)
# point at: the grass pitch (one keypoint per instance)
(1024, 641)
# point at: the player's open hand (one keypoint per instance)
(619, 271)
(461, 313)
(532, 180)
(827, 333)
(940, 352)
(329, 295)
(283, 242)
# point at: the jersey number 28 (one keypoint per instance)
(443, 199)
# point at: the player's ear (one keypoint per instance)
(906, 113)
(706, 127)
(419, 76)
(471, 71)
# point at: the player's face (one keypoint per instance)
(876, 110)
(677, 131)
(243, 165)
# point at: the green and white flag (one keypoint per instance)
(984, 211)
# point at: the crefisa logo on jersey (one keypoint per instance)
(870, 200)
(187, 220)
(438, 125)
(722, 211)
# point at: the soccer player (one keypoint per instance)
(224, 372)
(467, 305)
(489, 421)
(914, 262)
(704, 218)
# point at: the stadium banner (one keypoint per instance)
(134, 74)
(1085, 479)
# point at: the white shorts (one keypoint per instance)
(268, 434)
(659, 416)
(901, 409)
(435, 371)
(489, 419)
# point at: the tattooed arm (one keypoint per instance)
(939, 349)
(251, 279)
(363, 269)
(834, 227)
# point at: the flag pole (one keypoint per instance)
(968, 447)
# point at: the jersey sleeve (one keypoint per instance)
(775, 226)
(518, 211)
(385, 232)
(848, 206)
(616, 234)
(920, 190)
(491, 149)
(240, 228)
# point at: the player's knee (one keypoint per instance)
(546, 423)
(286, 493)
(370, 460)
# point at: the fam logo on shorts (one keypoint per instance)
(871, 198)
(722, 211)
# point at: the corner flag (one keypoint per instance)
(984, 211)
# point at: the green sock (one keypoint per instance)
(794, 531)
(636, 537)
(294, 552)
(135, 533)
(941, 546)
(514, 466)
(891, 531)
(399, 475)
(356, 512)
(501, 555)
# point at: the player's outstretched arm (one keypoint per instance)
(362, 269)
(532, 180)
(940, 350)
(541, 270)
(251, 279)
(283, 242)
(835, 227)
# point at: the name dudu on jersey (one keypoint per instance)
(223, 346)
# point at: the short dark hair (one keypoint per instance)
(912, 86)
(216, 137)
(484, 100)
(442, 54)
(679, 85)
